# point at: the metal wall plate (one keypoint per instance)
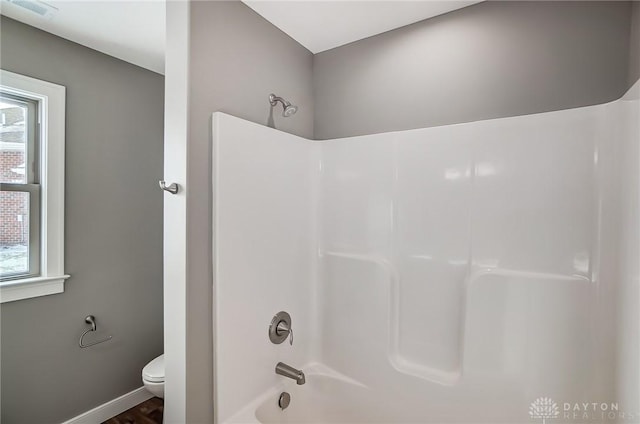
(280, 327)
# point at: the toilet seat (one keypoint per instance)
(153, 372)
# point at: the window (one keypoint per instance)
(20, 195)
(31, 187)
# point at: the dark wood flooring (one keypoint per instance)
(148, 412)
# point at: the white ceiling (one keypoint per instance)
(134, 30)
(323, 25)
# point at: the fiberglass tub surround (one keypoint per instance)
(447, 274)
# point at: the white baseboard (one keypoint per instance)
(112, 408)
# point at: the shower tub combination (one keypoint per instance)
(448, 274)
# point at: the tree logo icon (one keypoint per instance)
(544, 408)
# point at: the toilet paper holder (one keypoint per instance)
(90, 319)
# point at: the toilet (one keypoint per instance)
(153, 376)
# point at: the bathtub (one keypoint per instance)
(326, 397)
(329, 397)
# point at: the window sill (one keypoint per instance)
(31, 287)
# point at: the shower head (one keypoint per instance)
(287, 108)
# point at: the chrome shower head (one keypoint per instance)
(287, 108)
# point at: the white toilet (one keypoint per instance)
(153, 376)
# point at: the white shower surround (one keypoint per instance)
(449, 274)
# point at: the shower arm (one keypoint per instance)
(273, 99)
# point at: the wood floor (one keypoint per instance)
(148, 412)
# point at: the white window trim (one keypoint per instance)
(51, 100)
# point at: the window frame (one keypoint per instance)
(50, 100)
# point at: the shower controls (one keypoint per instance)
(280, 328)
(284, 400)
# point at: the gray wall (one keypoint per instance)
(237, 60)
(634, 50)
(113, 236)
(489, 60)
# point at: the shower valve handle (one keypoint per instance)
(283, 328)
(280, 328)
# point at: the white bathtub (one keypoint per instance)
(329, 397)
(326, 397)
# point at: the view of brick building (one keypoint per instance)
(14, 206)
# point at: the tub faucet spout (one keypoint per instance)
(290, 372)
